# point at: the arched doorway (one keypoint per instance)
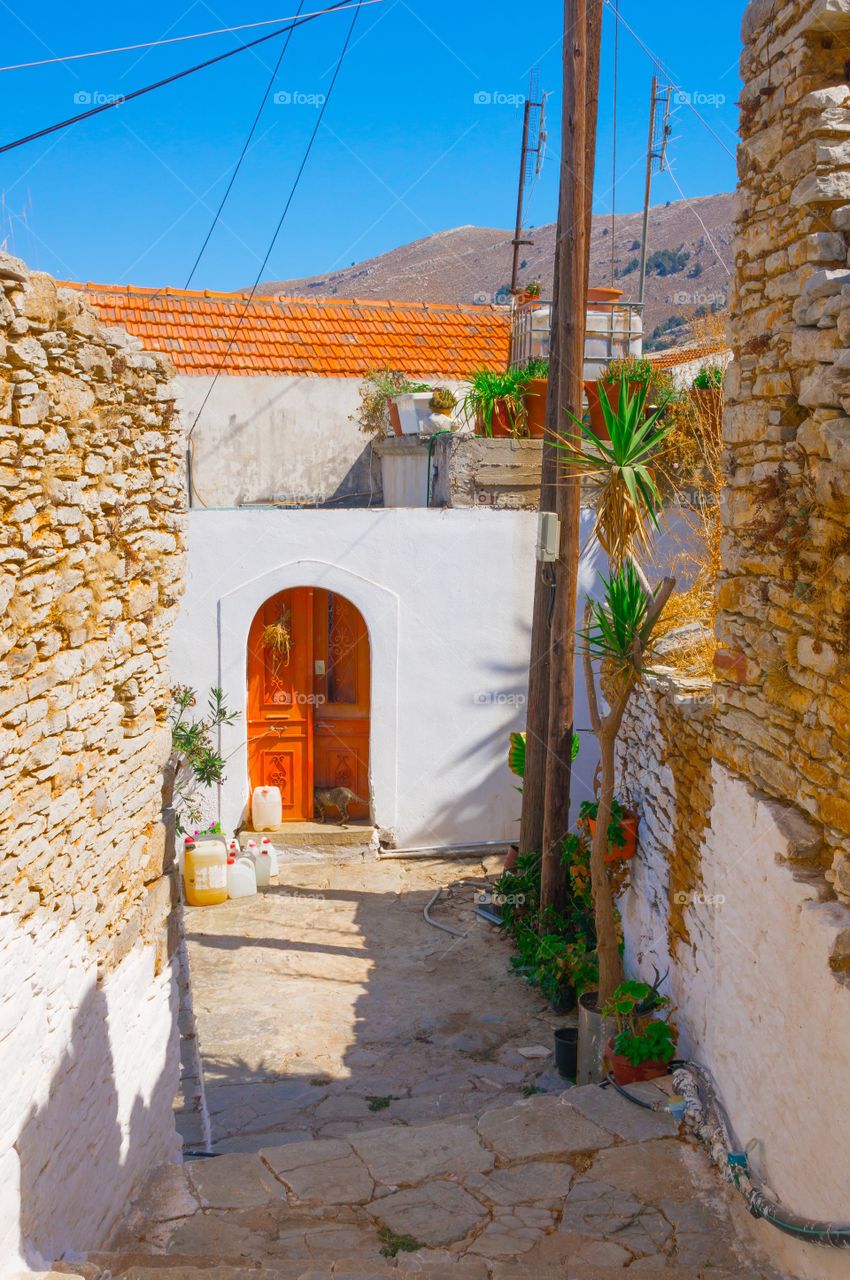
(309, 699)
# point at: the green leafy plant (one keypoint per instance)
(632, 368)
(537, 367)
(376, 391)
(622, 469)
(194, 761)
(488, 391)
(516, 753)
(709, 378)
(641, 1037)
(532, 289)
(588, 810)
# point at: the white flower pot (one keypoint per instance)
(414, 408)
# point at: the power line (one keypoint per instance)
(156, 44)
(696, 214)
(179, 75)
(277, 229)
(685, 98)
(243, 152)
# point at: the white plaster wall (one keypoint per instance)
(269, 439)
(447, 598)
(89, 1076)
(758, 1004)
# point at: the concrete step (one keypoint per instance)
(308, 835)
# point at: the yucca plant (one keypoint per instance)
(622, 468)
(616, 635)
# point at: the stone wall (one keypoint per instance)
(91, 561)
(784, 619)
(742, 884)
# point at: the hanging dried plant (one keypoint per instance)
(277, 636)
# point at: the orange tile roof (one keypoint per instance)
(202, 333)
(674, 356)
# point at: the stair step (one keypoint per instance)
(307, 835)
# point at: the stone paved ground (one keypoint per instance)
(310, 1006)
(331, 996)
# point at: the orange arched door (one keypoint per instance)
(308, 699)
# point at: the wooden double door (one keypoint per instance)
(308, 699)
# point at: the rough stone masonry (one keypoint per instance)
(91, 563)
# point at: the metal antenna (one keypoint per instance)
(656, 158)
(530, 163)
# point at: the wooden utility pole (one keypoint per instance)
(554, 622)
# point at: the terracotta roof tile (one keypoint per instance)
(329, 338)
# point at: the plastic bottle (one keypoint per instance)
(205, 872)
(251, 850)
(263, 867)
(266, 808)
(267, 847)
(241, 878)
(233, 850)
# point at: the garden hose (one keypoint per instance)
(706, 1118)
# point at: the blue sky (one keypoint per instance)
(408, 146)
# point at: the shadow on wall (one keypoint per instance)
(81, 1162)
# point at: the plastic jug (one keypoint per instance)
(251, 850)
(267, 847)
(233, 850)
(205, 872)
(241, 878)
(263, 868)
(266, 808)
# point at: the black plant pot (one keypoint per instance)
(566, 1052)
(565, 1000)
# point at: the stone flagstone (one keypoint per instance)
(542, 1125)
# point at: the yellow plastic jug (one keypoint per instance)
(205, 872)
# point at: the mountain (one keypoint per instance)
(473, 264)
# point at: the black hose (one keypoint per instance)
(828, 1234)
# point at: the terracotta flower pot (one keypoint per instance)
(535, 407)
(500, 423)
(621, 853)
(599, 293)
(625, 1073)
(511, 857)
(395, 420)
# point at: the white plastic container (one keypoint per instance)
(414, 408)
(241, 878)
(266, 846)
(263, 868)
(251, 850)
(233, 850)
(266, 808)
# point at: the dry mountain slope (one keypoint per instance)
(473, 264)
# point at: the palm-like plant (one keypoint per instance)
(616, 634)
(628, 501)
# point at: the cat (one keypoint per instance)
(338, 798)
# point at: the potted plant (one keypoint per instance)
(495, 402)
(643, 1045)
(622, 829)
(534, 396)
(637, 373)
(413, 406)
(443, 402)
(377, 415)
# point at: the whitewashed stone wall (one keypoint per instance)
(91, 560)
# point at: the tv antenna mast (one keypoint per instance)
(531, 162)
(656, 158)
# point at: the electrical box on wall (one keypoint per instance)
(548, 537)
